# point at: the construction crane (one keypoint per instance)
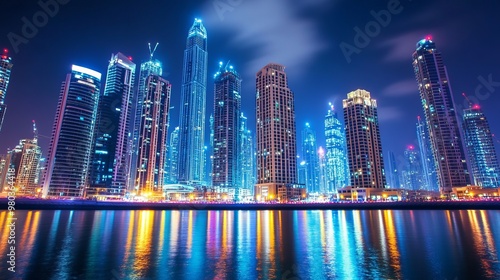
(152, 52)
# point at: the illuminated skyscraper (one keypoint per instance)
(440, 116)
(69, 155)
(364, 148)
(151, 166)
(429, 175)
(412, 173)
(226, 145)
(479, 143)
(310, 156)
(394, 172)
(173, 155)
(150, 67)
(247, 156)
(27, 167)
(337, 169)
(192, 109)
(5, 68)
(323, 182)
(276, 135)
(111, 162)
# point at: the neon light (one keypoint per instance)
(87, 71)
(477, 107)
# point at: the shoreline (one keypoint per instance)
(43, 204)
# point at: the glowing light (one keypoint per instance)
(5, 50)
(476, 107)
(130, 58)
(87, 71)
(428, 38)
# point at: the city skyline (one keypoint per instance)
(304, 112)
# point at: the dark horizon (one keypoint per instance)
(306, 38)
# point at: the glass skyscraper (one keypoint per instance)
(226, 172)
(173, 155)
(412, 173)
(394, 174)
(429, 176)
(310, 156)
(151, 166)
(481, 149)
(440, 116)
(5, 69)
(337, 169)
(69, 155)
(192, 109)
(111, 159)
(364, 148)
(247, 156)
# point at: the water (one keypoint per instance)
(382, 244)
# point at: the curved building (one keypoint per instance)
(69, 154)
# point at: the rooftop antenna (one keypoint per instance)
(35, 131)
(151, 53)
(467, 98)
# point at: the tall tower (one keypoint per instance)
(323, 182)
(479, 143)
(394, 182)
(337, 169)
(364, 148)
(150, 67)
(173, 155)
(276, 134)
(226, 145)
(5, 68)
(247, 161)
(429, 176)
(151, 166)
(440, 116)
(192, 109)
(310, 156)
(412, 170)
(69, 156)
(111, 159)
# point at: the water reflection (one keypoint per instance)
(380, 244)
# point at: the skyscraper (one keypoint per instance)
(323, 182)
(310, 156)
(440, 116)
(479, 143)
(150, 67)
(111, 162)
(27, 168)
(226, 145)
(70, 148)
(151, 166)
(247, 160)
(192, 109)
(429, 175)
(337, 168)
(276, 135)
(394, 173)
(412, 171)
(5, 69)
(173, 155)
(364, 148)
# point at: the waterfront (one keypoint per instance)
(326, 244)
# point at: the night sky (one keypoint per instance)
(305, 36)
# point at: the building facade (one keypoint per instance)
(193, 105)
(5, 70)
(394, 173)
(226, 161)
(276, 136)
(429, 175)
(441, 117)
(480, 147)
(364, 148)
(111, 162)
(70, 150)
(412, 173)
(173, 155)
(310, 156)
(152, 162)
(247, 156)
(337, 168)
